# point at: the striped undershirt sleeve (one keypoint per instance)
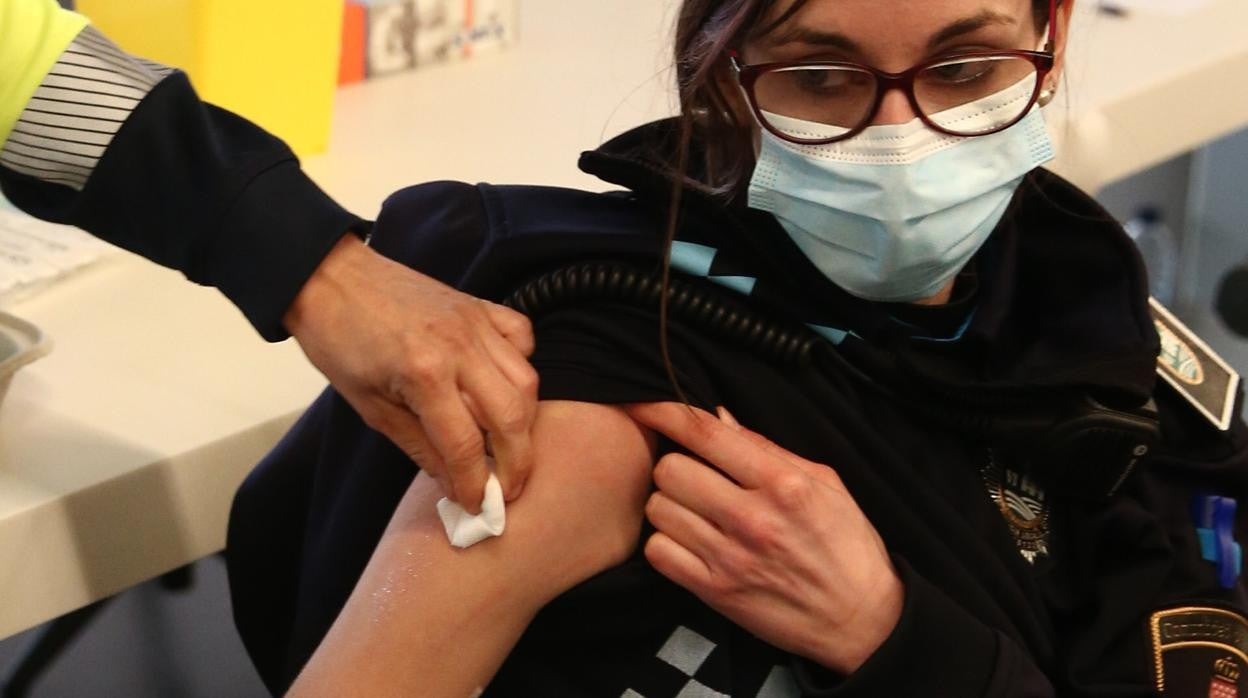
(77, 110)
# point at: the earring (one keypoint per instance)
(1046, 96)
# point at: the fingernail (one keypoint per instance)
(458, 498)
(511, 486)
(445, 486)
(726, 417)
(515, 491)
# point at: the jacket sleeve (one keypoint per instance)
(937, 649)
(124, 149)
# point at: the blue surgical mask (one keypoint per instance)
(894, 213)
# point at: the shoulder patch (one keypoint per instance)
(1200, 651)
(1202, 377)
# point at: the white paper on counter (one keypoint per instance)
(34, 253)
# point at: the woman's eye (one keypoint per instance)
(815, 80)
(824, 81)
(961, 73)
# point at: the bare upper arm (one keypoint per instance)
(584, 499)
(590, 495)
(580, 513)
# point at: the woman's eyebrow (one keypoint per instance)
(817, 37)
(814, 37)
(968, 25)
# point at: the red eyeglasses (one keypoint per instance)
(817, 102)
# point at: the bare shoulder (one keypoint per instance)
(583, 504)
(590, 479)
(592, 444)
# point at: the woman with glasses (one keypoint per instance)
(924, 451)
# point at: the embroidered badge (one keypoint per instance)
(1202, 377)
(1199, 650)
(1023, 505)
(1177, 358)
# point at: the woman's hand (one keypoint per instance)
(426, 365)
(771, 540)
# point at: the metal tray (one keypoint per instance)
(20, 344)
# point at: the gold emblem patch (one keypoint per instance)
(1022, 504)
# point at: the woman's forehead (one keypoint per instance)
(897, 23)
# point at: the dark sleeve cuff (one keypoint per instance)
(937, 649)
(204, 191)
(271, 240)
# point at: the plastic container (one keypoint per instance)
(1159, 248)
(20, 344)
(274, 62)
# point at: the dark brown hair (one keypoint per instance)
(713, 113)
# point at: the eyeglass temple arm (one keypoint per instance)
(1051, 46)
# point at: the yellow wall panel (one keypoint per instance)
(273, 61)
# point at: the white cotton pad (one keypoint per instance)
(464, 529)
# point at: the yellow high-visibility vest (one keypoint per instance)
(33, 35)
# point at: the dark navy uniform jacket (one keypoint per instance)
(189, 186)
(1118, 598)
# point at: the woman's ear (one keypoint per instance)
(1064, 10)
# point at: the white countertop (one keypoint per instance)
(120, 451)
(1145, 88)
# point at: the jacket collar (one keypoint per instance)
(1061, 300)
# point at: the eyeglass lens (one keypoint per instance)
(968, 96)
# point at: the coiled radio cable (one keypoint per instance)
(696, 302)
